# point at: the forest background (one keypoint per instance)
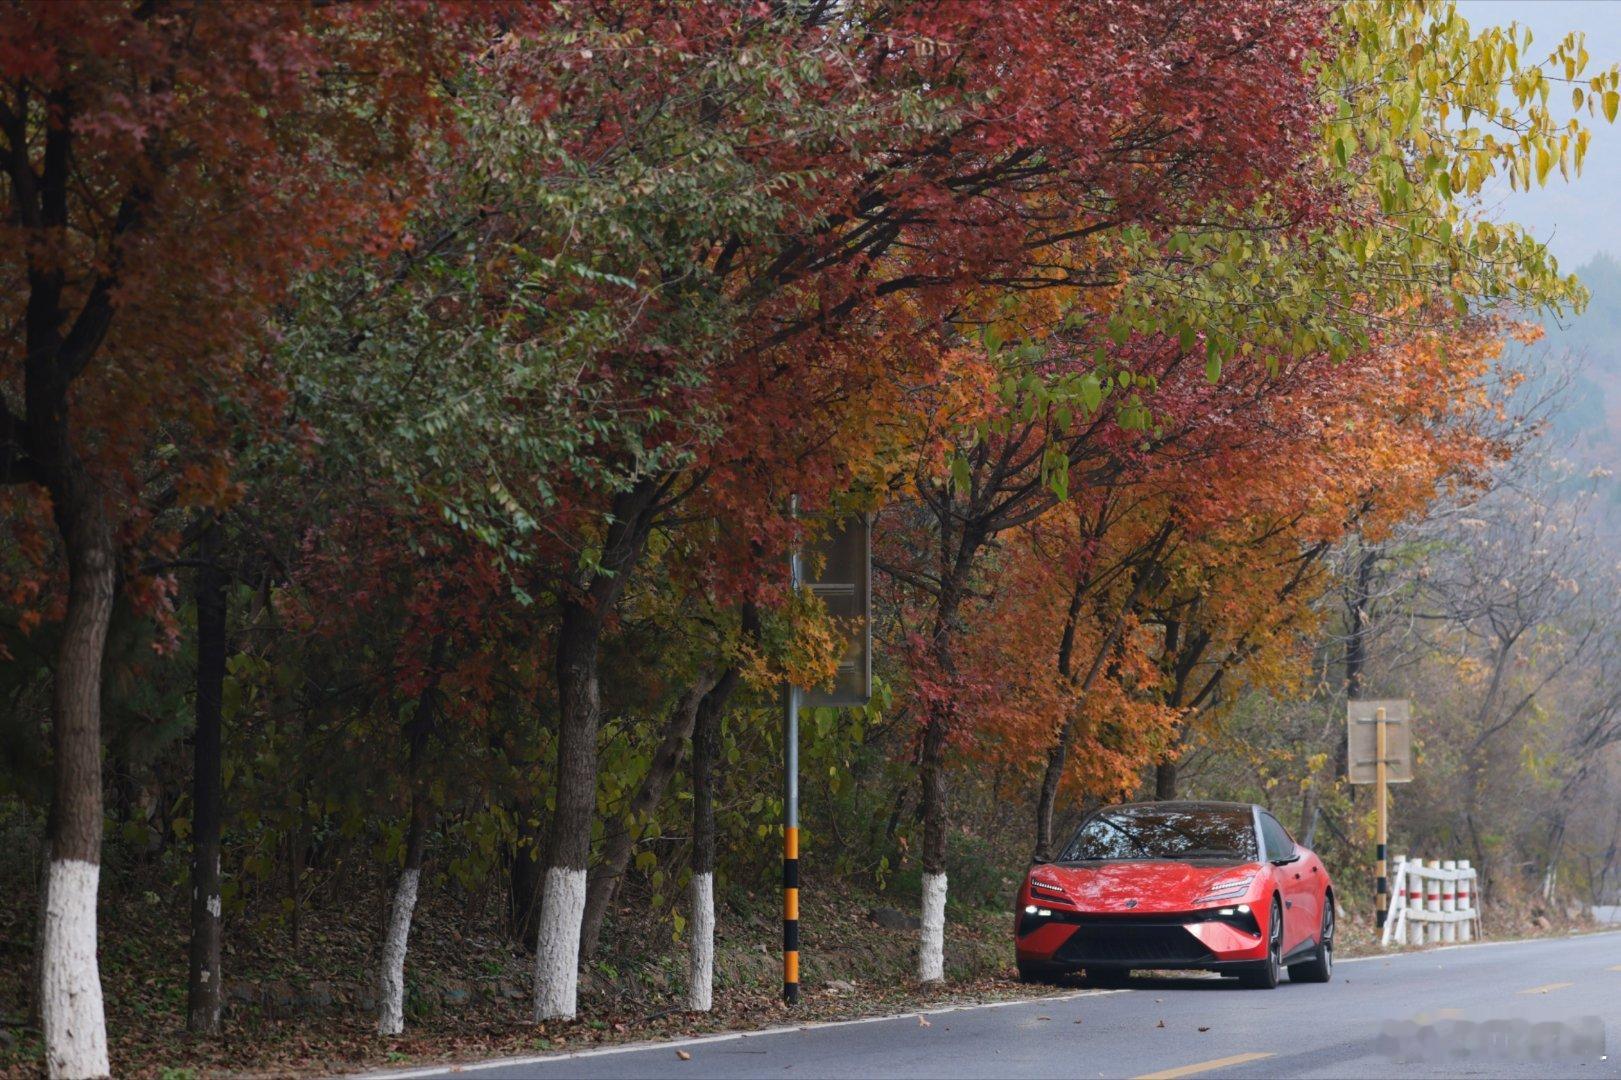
(403, 404)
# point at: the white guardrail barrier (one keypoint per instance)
(1431, 901)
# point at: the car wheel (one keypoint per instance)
(1112, 978)
(1265, 974)
(1320, 968)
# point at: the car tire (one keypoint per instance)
(1265, 974)
(1108, 978)
(1320, 968)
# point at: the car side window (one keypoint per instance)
(1276, 837)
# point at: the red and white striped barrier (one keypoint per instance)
(1431, 902)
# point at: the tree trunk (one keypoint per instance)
(296, 850)
(568, 839)
(705, 750)
(568, 843)
(71, 1009)
(203, 980)
(1483, 868)
(604, 878)
(391, 975)
(1356, 645)
(523, 884)
(932, 932)
(36, 982)
(895, 812)
(1183, 649)
(931, 768)
(1550, 862)
(956, 562)
(1165, 779)
(1054, 774)
(1602, 890)
(1059, 754)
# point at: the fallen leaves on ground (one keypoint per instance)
(144, 974)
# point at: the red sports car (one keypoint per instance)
(1200, 885)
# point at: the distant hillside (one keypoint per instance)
(1588, 347)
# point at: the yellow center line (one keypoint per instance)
(1545, 989)
(1203, 1066)
(1615, 967)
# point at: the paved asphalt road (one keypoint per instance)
(1402, 1015)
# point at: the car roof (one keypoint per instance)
(1182, 804)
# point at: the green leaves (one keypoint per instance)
(1092, 391)
(1439, 109)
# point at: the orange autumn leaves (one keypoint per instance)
(1243, 498)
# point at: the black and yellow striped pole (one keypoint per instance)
(1381, 887)
(790, 891)
(790, 830)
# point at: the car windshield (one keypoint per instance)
(1165, 832)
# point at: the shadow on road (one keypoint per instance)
(1164, 980)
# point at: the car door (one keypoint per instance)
(1301, 907)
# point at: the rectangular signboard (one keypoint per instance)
(1361, 740)
(843, 581)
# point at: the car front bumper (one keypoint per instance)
(1068, 941)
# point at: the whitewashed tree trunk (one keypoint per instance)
(391, 978)
(705, 752)
(71, 1012)
(931, 956)
(391, 973)
(701, 954)
(70, 984)
(557, 952)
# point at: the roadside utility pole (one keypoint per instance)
(1381, 781)
(790, 831)
(1379, 751)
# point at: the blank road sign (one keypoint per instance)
(844, 584)
(1361, 740)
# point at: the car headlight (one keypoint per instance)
(1051, 888)
(1235, 915)
(1033, 918)
(1228, 890)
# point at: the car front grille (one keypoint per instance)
(1144, 942)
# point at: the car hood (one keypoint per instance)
(1144, 886)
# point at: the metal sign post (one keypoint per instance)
(790, 858)
(1381, 884)
(1389, 760)
(790, 829)
(844, 584)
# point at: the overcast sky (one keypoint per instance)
(1579, 219)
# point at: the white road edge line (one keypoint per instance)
(719, 1037)
(732, 1036)
(1474, 945)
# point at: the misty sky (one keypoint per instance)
(1579, 219)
